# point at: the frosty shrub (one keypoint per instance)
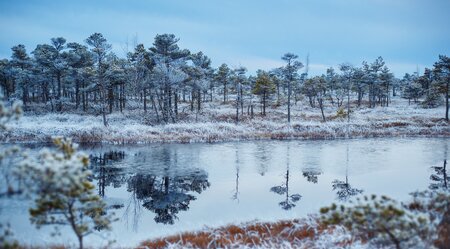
(64, 195)
(379, 220)
(435, 204)
(433, 99)
(341, 113)
(6, 115)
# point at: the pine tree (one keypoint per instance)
(21, 63)
(264, 87)
(170, 59)
(100, 49)
(222, 76)
(442, 72)
(290, 72)
(65, 196)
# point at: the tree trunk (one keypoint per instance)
(320, 100)
(58, 95)
(144, 93)
(242, 101)
(289, 102)
(80, 241)
(77, 94)
(105, 123)
(387, 95)
(224, 92)
(199, 100)
(192, 100)
(446, 100)
(237, 104)
(348, 105)
(264, 104)
(176, 104)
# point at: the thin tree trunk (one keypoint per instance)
(446, 101)
(199, 100)
(144, 94)
(264, 104)
(224, 92)
(176, 105)
(289, 102)
(320, 100)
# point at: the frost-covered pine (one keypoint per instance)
(239, 78)
(290, 73)
(64, 195)
(6, 115)
(411, 89)
(442, 80)
(200, 74)
(382, 221)
(170, 59)
(263, 87)
(100, 49)
(21, 71)
(51, 58)
(222, 76)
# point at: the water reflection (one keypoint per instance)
(440, 178)
(283, 189)
(167, 195)
(105, 172)
(311, 174)
(158, 184)
(344, 190)
(263, 156)
(164, 192)
(235, 195)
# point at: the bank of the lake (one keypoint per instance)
(400, 120)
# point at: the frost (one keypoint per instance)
(218, 124)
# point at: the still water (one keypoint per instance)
(162, 189)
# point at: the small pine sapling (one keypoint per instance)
(64, 195)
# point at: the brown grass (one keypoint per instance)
(252, 234)
(395, 124)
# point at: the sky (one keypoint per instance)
(408, 34)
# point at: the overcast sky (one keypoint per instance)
(255, 34)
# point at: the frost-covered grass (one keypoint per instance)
(302, 233)
(216, 123)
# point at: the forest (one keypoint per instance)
(166, 82)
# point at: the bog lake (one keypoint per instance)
(163, 189)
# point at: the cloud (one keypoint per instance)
(245, 33)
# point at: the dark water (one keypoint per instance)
(162, 189)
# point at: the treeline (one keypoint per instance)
(67, 76)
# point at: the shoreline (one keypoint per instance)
(217, 132)
(217, 124)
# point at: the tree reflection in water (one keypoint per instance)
(164, 193)
(440, 178)
(105, 172)
(167, 195)
(290, 199)
(235, 195)
(311, 174)
(344, 190)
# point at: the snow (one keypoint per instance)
(216, 124)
